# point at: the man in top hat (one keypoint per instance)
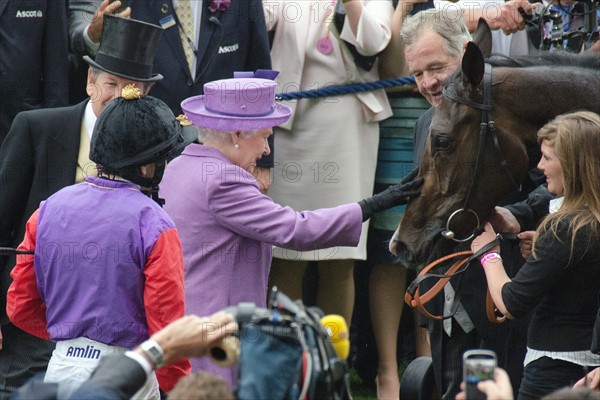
(46, 150)
(203, 41)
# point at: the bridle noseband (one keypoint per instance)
(486, 126)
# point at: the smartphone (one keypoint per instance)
(478, 365)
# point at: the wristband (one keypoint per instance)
(492, 255)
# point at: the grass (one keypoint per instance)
(359, 390)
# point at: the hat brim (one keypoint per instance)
(195, 109)
(152, 78)
(189, 134)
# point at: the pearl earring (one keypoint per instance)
(237, 145)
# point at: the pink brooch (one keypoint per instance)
(219, 5)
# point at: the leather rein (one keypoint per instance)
(415, 299)
(413, 296)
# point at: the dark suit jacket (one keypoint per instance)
(421, 134)
(37, 159)
(242, 26)
(33, 57)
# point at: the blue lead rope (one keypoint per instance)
(345, 89)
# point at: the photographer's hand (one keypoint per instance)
(591, 380)
(193, 336)
(498, 389)
(509, 18)
(505, 16)
(595, 47)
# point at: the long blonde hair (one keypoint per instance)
(575, 138)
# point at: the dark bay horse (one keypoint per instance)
(482, 141)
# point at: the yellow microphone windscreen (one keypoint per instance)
(336, 328)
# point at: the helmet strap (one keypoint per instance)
(149, 186)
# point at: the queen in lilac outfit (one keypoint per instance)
(227, 226)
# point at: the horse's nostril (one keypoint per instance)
(397, 247)
(393, 247)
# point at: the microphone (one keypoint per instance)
(336, 328)
(226, 353)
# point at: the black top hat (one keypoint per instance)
(127, 49)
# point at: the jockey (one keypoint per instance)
(108, 268)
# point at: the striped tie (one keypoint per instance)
(183, 9)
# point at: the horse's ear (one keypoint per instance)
(483, 38)
(473, 65)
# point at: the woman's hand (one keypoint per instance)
(488, 235)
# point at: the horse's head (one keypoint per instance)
(468, 142)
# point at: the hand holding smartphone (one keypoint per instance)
(478, 365)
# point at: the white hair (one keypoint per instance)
(217, 135)
(448, 23)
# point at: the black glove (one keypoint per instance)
(393, 196)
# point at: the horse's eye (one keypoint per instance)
(441, 143)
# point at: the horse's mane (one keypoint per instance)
(591, 61)
(586, 61)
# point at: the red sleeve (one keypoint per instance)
(164, 297)
(24, 305)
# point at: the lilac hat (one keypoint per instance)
(246, 102)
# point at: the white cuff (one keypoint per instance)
(141, 360)
(89, 44)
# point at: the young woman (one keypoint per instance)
(561, 277)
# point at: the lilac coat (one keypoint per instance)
(228, 227)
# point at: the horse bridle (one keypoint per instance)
(413, 296)
(486, 127)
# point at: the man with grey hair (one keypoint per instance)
(434, 41)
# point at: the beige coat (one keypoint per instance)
(326, 154)
(291, 21)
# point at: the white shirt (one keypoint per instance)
(89, 119)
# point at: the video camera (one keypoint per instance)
(546, 24)
(284, 352)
